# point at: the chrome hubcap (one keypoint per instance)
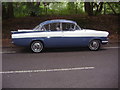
(37, 47)
(94, 45)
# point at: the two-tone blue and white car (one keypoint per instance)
(59, 33)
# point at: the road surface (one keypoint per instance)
(60, 68)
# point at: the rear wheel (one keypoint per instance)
(36, 46)
(94, 45)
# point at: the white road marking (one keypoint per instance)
(46, 70)
(7, 52)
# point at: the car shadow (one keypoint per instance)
(57, 50)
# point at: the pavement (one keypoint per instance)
(60, 68)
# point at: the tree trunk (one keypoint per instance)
(10, 10)
(104, 8)
(46, 7)
(99, 8)
(88, 8)
(4, 11)
(32, 13)
(37, 4)
(76, 8)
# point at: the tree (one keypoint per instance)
(7, 10)
(98, 7)
(10, 11)
(71, 7)
(33, 8)
(46, 7)
(111, 8)
(76, 7)
(88, 8)
(4, 11)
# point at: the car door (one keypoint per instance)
(53, 35)
(71, 35)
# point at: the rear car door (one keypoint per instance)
(71, 35)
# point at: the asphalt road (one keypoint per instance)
(61, 68)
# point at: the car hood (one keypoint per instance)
(105, 33)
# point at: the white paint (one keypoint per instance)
(77, 33)
(47, 70)
(25, 30)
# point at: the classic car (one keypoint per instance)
(59, 33)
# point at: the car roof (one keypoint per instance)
(57, 21)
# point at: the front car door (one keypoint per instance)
(53, 35)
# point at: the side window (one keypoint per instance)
(55, 27)
(67, 26)
(77, 27)
(37, 28)
(52, 27)
(46, 27)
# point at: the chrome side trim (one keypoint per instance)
(104, 41)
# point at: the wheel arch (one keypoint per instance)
(96, 39)
(37, 40)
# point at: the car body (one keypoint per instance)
(59, 33)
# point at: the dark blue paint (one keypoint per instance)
(58, 41)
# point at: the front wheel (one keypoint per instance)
(36, 46)
(94, 45)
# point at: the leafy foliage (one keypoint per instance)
(22, 9)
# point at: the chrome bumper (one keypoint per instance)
(104, 42)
